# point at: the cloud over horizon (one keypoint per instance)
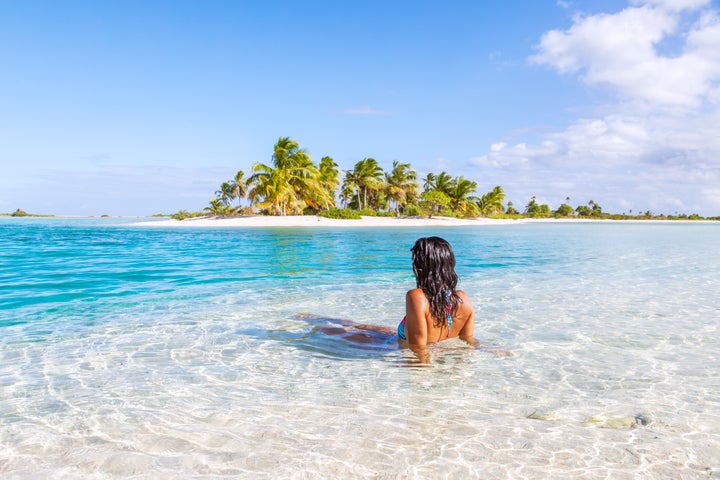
(660, 62)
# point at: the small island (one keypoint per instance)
(22, 213)
(293, 185)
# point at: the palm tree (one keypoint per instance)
(443, 183)
(461, 196)
(329, 179)
(229, 191)
(290, 183)
(220, 208)
(239, 186)
(226, 193)
(365, 180)
(309, 189)
(286, 153)
(348, 191)
(492, 202)
(429, 182)
(532, 205)
(270, 189)
(401, 185)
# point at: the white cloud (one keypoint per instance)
(676, 5)
(621, 51)
(659, 147)
(658, 163)
(713, 196)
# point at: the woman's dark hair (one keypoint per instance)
(434, 266)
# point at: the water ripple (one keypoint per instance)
(157, 353)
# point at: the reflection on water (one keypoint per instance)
(331, 337)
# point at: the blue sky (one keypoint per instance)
(142, 107)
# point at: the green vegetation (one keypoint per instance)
(183, 214)
(19, 213)
(22, 213)
(535, 210)
(433, 201)
(340, 213)
(292, 184)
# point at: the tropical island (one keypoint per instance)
(22, 213)
(292, 184)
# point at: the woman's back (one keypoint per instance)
(421, 326)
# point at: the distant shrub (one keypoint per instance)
(183, 214)
(535, 210)
(506, 216)
(19, 213)
(564, 210)
(340, 213)
(385, 214)
(412, 210)
(367, 212)
(448, 212)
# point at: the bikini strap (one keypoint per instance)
(448, 309)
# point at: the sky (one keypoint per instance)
(139, 107)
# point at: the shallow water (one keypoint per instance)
(135, 352)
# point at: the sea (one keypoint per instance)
(145, 352)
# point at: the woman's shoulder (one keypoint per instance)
(416, 294)
(462, 294)
(464, 297)
(419, 294)
(417, 298)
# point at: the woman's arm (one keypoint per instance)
(468, 330)
(416, 306)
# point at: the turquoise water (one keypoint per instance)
(151, 352)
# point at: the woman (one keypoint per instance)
(435, 310)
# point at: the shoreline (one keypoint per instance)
(309, 221)
(317, 221)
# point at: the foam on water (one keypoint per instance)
(154, 353)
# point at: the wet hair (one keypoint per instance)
(434, 265)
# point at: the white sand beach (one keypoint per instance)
(316, 221)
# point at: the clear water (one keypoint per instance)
(136, 352)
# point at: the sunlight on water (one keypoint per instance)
(155, 353)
